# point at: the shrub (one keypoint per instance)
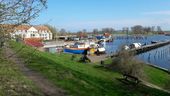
(126, 63)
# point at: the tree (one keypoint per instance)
(62, 32)
(137, 29)
(159, 29)
(81, 34)
(126, 63)
(17, 12)
(147, 29)
(95, 31)
(108, 30)
(125, 30)
(53, 30)
(153, 29)
(84, 30)
(20, 11)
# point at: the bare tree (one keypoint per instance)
(20, 11)
(63, 32)
(53, 30)
(125, 63)
(108, 30)
(137, 29)
(159, 29)
(95, 31)
(17, 12)
(147, 29)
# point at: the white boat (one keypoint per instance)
(135, 45)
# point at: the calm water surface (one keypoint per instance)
(159, 56)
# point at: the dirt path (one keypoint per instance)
(44, 85)
(154, 86)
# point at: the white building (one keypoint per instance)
(26, 31)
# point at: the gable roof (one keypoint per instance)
(22, 27)
(41, 27)
(25, 27)
(32, 29)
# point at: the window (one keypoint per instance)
(32, 35)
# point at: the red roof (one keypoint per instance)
(33, 42)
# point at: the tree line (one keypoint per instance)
(137, 29)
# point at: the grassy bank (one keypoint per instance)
(80, 79)
(157, 77)
(154, 75)
(13, 82)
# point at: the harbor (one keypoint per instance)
(84, 48)
(137, 51)
(145, 53)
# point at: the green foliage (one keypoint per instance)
(80, 79)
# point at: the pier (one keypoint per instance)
(137, 51)
(146, 48)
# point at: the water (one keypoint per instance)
(159, 56)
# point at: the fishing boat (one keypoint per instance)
(77, 48)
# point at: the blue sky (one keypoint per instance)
(75, 15)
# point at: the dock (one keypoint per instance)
(137, 51)
(150, 47)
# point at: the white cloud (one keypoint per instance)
(165, 12)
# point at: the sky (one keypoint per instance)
(76, 15)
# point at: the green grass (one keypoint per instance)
(154, 75)
(80, 79)
(13, 82)
(157, 77)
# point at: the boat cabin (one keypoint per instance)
(135, 45)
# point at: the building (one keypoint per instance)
(26, 31)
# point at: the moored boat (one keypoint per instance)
(135, 45)
(152, 42)
(75, 50)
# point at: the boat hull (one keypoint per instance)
(75, 50)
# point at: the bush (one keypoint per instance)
(126, 63)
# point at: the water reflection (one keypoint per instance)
(159, 56)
